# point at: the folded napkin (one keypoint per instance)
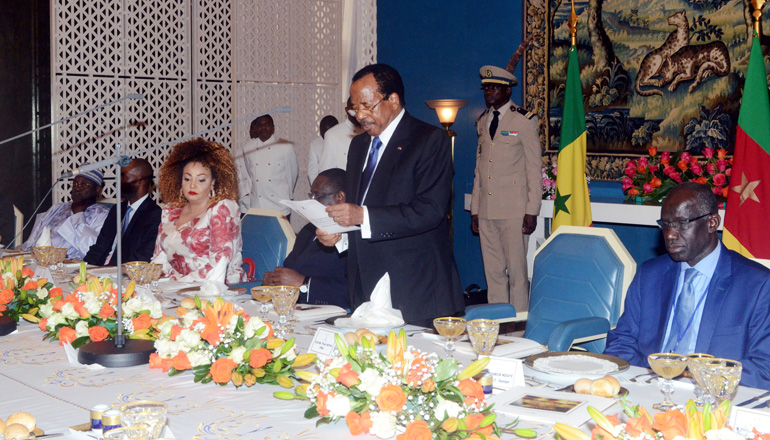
(215, 281)
(378, 312)
(45, 237)
(72, 357)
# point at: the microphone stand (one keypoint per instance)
(122, 352)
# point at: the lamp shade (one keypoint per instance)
(446, 109)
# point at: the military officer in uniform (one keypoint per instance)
(506, 188)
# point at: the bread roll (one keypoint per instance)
(23, 418)
(188, 303)
(351, 338)
(615, 384)
(2, 425)
(602, 388)
(583, 386)
(16, 431)
(361, 330)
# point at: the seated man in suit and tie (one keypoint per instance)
(141, 217)
(700, 298)
(318, 271)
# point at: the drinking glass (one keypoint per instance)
(284, 298)
(58, 255)
(151, 413)
(721, 377)
(43, 255)
(667, 366)
(135, 432)
(135, 270)
(483, 335)
(692, 359)
(262, 294)
(155, 271)
(450, 328)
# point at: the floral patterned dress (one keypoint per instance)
(190, 251)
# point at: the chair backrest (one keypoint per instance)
(578, 272)
(267, 239)
(19, 226)
(501, 312)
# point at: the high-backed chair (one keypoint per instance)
(267, 240)
(578, 286)
(18, 217)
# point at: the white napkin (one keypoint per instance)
(72, 357)
(378, 312)
(215, 281)
(45, 237)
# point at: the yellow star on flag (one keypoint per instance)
(746, 189)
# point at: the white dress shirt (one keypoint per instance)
(267, 173)
(336, 145)
(314, 156)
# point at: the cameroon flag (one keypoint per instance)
(571, 205)
(748, 199)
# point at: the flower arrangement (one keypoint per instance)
(20, 295)
(405, 390)
(220, 343)
(88, 314)
(653, 177)
(690, 423)
(548, 172)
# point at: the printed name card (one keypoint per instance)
(323, 344)
(747, 418)
(506, 373)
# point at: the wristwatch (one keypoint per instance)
(305, 287)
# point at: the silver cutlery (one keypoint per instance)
(636, 378)
(754, 399)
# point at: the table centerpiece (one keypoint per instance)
(21, 295)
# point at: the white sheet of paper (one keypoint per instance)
(747, 418)
(506, 373)
(315, 213)
(323, 344)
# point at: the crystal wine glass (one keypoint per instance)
(692, 359)
(149, 412)
(155, 271)
(262, 294)
(483, 335)
(135, 270)
(667, 366)
(450, 328)
(284, 298)
(721, 377)
(43, 255)
(135, 432)
(58, 255)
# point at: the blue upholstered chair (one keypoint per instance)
(578, 286)
(501, 312)
(267, 240)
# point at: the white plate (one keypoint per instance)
(379, 330)
(576, 364)
(193, 291)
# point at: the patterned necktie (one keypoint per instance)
(680, 336)
(493, 125)
(371, 164)
(126, 218)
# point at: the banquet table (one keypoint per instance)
(36, 377)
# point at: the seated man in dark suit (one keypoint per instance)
(700, 298)
(318, 271)
(141, 217)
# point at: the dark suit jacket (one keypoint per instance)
(735, 322)
(408, 201)
(138, 241)
(324, 265)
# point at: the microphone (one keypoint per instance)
(123, 161)
(134, 96)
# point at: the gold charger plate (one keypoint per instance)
(622, 364)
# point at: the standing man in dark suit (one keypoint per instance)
(399, 185)
(318, 270)
(141, 217)
(700, 298)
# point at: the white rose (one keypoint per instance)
(190, 317)
(165, 327)
(132, 306)
(68, 311)
(81, 329)
(722, 434)
(189, 338)
(42, 293)
(166, 348)
(233, 322)
(198, 358)
(288, 356)
(445, 406)
(371, 382)
(46, 310)
(93, 305)
(338, 406)
(237, 354)
(55, 320)
(255, 327)
(155, 310)
(383, 424)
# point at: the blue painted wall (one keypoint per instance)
(438, 47)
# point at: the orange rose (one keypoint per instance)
(81, 310)
(721, 153)
(27, 272)
(106, 312)
(638, 425)
(141, 322)
(702, 180)
(72, 298)
(473, 421)
(175, 331)
(428, 386)
(320, 403)
(260, 357)
(600, 433)
(652, 150)
(671, 424)
(181, 361)
(66, 334)
(391, 398)
(56, 291)
(221, 370)
(6, 296)
(159, 362)
(3, 308)
(417, 430)
(347, 376)
(633, 191)
(359, 423)
(471, 390)
(42, 324)
(30, 285)
(98, 333)
(655, 182)
(416, 370)
(682, 165)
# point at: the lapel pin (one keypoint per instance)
(399, 148)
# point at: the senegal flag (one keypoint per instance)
(571, 205)
(748, 199)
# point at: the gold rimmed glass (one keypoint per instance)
(284, 298)
(151, 413)
(450, 328)
(154, 272)
(698, 391)
(262, 294)
(58, 255)
(721, 377)
(43, 255)
(667, 366)
(483, 335)
(135, 270)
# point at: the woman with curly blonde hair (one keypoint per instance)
(200, 224)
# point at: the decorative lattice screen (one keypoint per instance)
(199, 65)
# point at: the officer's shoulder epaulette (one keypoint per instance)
(527, 114)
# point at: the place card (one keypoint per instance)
(323, 344)
(747, 418)
(506, 373)
(548, 406)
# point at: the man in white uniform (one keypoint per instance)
(337, 142)
(316, 147)
(267, 168)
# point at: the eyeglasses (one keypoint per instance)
(353, 111)
(678, 225)
(314, 196)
